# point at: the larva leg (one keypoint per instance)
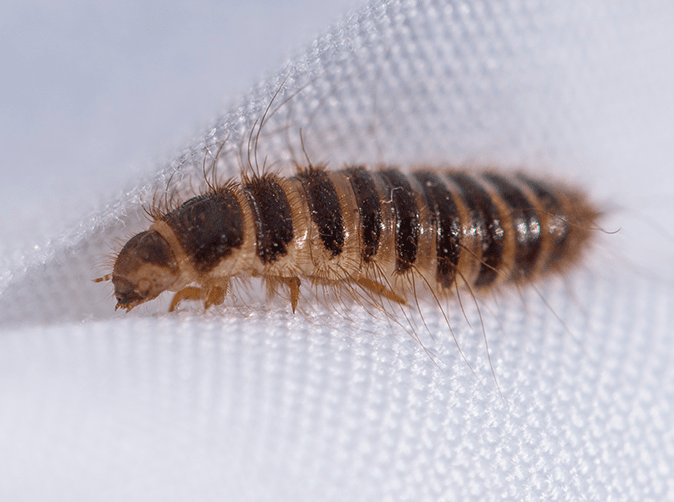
(188, 293)
(380, 289)
(293, 284)
(214, 295)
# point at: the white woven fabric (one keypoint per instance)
(254, 403)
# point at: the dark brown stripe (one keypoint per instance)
(487, 223)
(557, 227)
(208, 227)
(407, 217)
(273, 218)
(525, 222)
(324, 208)
(369, 209)
(446, 219)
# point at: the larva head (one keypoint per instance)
(144, 268)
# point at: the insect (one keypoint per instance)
(378, 233)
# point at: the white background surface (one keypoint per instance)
(262, 405)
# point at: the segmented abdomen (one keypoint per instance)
(449, 227)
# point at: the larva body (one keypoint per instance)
(380, 232)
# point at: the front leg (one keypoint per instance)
(212, 295)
